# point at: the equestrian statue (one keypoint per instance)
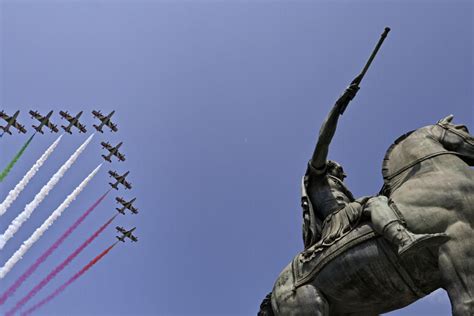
(372, 255)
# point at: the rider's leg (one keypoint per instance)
(389, 223)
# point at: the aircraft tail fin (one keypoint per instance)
(36, 128)
(6, 130)
(106, 158)
(121, 211)
(68, 130)
(98, 128)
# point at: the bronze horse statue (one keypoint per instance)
(427, 174)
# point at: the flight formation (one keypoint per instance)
(120, 179)
(111, 153)
(73, 121)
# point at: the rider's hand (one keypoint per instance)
(347, 96)
(351, 91)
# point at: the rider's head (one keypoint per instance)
(335, 170)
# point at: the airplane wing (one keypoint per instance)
(120, 200)
(4, 116)
(106, 145)
(81, 127)
(66, 115)
(53, 127)
(99, 115)
(112, 126)
(120, 156)
(120, 229)
(127, 184)
(113, 174)
(36, 115)
(15, 115)
(19, 127)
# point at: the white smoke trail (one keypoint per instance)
(46, 224)
(30, 207)
(13, 194)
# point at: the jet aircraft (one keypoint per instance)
(113, 151)
(126, 205)
(44, 121)
(11, 122)
(73, 122)
(105, 120)
(126, 234)
(120, 180)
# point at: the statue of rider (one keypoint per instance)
(329, 208)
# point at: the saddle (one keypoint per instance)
(305, 270)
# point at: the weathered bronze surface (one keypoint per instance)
(377, 254)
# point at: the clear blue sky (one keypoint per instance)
(218, 104)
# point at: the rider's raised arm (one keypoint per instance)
(328, 129)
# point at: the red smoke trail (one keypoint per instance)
(76, 276)
(48, 252)
(58, 268)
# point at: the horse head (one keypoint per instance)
(411, 149)
(455, 137)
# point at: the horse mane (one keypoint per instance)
(385, 169)
(266, 306)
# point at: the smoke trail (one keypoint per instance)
(61, 266)
(46, 224)
(30, 207)
(60, 289)
(15, 159)
(48, 252)
(13, 194)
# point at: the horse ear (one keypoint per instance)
(447, 119)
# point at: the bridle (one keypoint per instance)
(447, 128)
(410, 165)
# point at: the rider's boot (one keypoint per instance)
(388, 221)
(408, 242)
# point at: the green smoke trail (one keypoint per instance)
(15, 159)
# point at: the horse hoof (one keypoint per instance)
(422, 241)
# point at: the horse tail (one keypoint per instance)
(266, 306)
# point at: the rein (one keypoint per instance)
(419, 160)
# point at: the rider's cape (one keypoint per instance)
(312, 226)
(337, 225)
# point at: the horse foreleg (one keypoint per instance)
(456, 264)
(304, 300)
